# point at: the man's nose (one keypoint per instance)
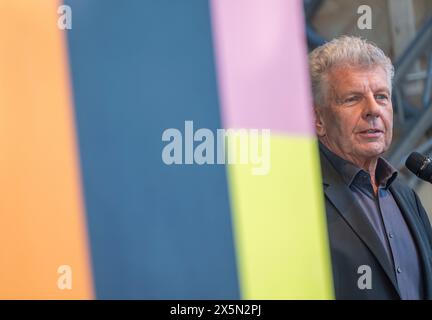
(371, 108)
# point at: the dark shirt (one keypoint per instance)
(386, 219)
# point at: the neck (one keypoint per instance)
(367, 164)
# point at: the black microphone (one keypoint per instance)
(420, 165)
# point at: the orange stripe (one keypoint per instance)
(41, 212)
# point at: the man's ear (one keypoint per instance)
(319, 121)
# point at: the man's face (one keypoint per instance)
(358, 122)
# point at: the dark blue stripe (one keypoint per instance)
(156, 231)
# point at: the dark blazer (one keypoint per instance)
(353, 241)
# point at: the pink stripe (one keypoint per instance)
(261, 63)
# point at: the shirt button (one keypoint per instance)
(399, 270)
(390, 235)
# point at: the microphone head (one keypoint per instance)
(414, 162)
(420, 165)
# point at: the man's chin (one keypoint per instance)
(372, 150)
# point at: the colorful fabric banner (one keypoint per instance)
(90, 209)
(279, 223)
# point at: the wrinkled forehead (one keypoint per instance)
(358, 79)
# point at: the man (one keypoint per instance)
(379, 233)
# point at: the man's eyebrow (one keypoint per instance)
(381, 89)
(352, 92)
(360, 92)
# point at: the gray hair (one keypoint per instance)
(343, 51)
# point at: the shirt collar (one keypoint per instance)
(385, 173)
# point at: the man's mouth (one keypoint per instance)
(371, 133)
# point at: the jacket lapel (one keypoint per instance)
(339, 194)
(418, 235)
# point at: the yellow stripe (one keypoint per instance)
(42, 222)
(279, 223)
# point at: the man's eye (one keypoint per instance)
(351, 99)
(381, 97)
